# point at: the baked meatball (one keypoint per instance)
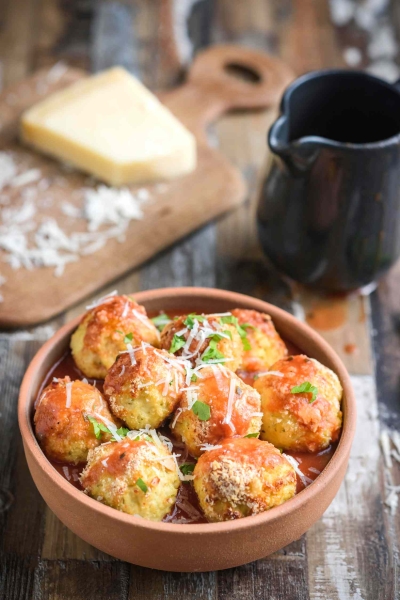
(143, 387)
(264, 345)
(103, 333)
(204, 338)
(218, 405)
(242, 477)
(61, 421)
(137, 477)
(305, 421)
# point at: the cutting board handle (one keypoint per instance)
(226, 77)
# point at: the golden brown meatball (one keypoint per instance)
(264, 344)
(218, 405)
(106, 330)
(137, 477)
(62, 423)
(142, 387)
(242, 477)
(307, 421)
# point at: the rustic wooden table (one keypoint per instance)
(352, 552)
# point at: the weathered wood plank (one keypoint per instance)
(16, 37)
(59, 543)
(352, 552)
(21, 507)
(145, 584)
(347, 549)
(266, 579)
(78, 580)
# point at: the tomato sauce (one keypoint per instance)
(186, 508)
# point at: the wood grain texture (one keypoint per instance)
(352, 552)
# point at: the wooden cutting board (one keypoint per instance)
(173, 208)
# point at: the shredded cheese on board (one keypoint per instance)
(29, 239)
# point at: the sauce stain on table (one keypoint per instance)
(328, 313)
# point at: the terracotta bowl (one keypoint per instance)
(200, 547)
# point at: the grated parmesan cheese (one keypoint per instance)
(231, 398)
(142, 318)
(31, 243)
(208, 447)
(304, 479)
(8, 169)
(29, 176)
(111, 426)
(102, 300)
(131, 353)
(176, 417)
(68, 390)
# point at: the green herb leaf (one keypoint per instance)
(118, 331)
(98, 427)
(160, 321)
(241, 329)
(190, 319)
(128, 338)
(202, 410)
(306, 388)
(212, 352)
(194, 377)
(122, 431)
(252, 435)
(141, 484)
(230, 319)
(187, 468)
(178, 342)
(246, 344)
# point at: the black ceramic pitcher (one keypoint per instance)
(328, 213)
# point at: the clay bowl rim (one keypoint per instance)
(277, 513)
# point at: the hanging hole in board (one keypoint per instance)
(243, 72)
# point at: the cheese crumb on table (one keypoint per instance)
(111, 126)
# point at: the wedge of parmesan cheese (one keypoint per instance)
(111, 126)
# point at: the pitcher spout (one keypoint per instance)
(298, 155)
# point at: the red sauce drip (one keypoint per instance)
(350, 348)
(186, 494)
(328, 313)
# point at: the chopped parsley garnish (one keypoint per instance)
(194, 377)
(212, 352)
(252, 435)
(99, 428)
(241, 329)
(122, 431)
(178, 342)
(187, 468)
(202, 410)
(128, 338)
(306, 388)
(141, 484)
(190, 319)
(161, 320)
